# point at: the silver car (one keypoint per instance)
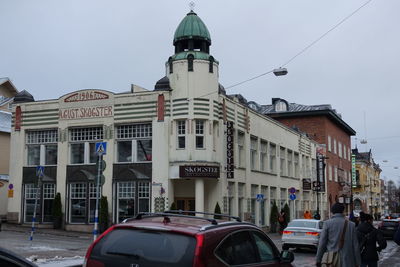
(302, 233)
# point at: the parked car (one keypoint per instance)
(388, 227)
(176, 239)
(11, 259)
(302, 233)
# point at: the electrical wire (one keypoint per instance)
(307, 47)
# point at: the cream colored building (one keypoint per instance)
(7, 92)
(169, 145)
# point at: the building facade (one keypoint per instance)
(185, 144)
(324, 125)
(7, 92)
(367, 190)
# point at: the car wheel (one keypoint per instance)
(285, 247)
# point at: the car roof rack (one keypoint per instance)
(205, 213)
(166, 216)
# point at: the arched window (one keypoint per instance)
(211, 64)
(171, 70)
(190, 62)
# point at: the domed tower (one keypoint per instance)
(192, 71)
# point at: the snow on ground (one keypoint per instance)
(60, 262)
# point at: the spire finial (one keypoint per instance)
(191, 6)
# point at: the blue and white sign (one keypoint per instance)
(292, 196)
(260, 197)
(101, 148)
(40, 171)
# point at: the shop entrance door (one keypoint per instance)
(187, 204)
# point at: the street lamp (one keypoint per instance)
(280, 71)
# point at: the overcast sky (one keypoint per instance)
(51, 48)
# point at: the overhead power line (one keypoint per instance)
(307, 47)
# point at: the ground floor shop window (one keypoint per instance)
(82, 202)
(132, 197)
(44, 204)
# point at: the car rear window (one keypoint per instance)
(390, 224)
(302, 224)
(145, 248)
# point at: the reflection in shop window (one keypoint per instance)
(78, 203)
(126, 200)
(46, 195)
(134, 143)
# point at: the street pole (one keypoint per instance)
(96, 214)
(34, 208)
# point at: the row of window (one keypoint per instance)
(133, 144)
(131, 197)
(338, 148)
(337, 174)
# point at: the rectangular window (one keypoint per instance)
(82, 144)
(144, 196)
(42, 147)
(134, 143)
(78, 202)
(334, 146)
(330, 172)
(340, 149)
(282, 156)
(272, 157)
(329, 143)
(126, 200)
(253, 152)
(263, 156)
(181, 133)
(336, 173)
(215, 135)
(296, 165)
(49, 192)
(344, 151)
(30, 196)
(199, 131)
(241, 152)
(290, 163)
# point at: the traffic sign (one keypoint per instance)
(101, 148)
(292, 190)
(260, 197)
(40, 171)
(292, 196)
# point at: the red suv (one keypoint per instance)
(175, 239)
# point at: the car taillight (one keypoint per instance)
(90, 262)
(312, 233)
(287, 232)
(198, 261)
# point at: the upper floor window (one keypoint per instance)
(296, 165)
(181, 133)
(241, 153)
(272, 157)
(253, 152)
(199, 134)
(340, 149)
(289, 163)
(42, 147)
(281, 106)
(329, 143)
(263, 155)
(134, 142)
(82, 144)
(334, 146)
(190, 59)
(282, 155)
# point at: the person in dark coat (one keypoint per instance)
(396, 237)
(368, 236)
(282, 221)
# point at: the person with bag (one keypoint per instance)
(368, 236)
(338, 244)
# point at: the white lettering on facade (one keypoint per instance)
(86, 96)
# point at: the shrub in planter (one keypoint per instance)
(274, 218)
(217, 210)
(103, 216)
(173, 206)
(57, 212)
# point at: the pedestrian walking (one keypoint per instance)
(282, 221)
(368, 236)
(338, 242)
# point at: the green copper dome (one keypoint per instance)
(192, 27)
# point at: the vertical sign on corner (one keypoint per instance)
(18, 118)
(230, 168)
(353, 171)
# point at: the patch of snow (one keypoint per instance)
(41, 248)
(60, 261)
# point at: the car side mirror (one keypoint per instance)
(287, 256)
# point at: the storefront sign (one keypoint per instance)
(87, 95)
(321, 172)
(199, 171)
(306, 184)
(85, 112)
(230, 168)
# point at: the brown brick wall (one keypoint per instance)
(318, 128)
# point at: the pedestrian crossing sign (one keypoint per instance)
(101, 148)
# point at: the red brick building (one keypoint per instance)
(325, 126)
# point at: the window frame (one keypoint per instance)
(42, 139)
(199, 131)
(88, 142)
(181, 130)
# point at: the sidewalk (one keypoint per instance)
(48, 231)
